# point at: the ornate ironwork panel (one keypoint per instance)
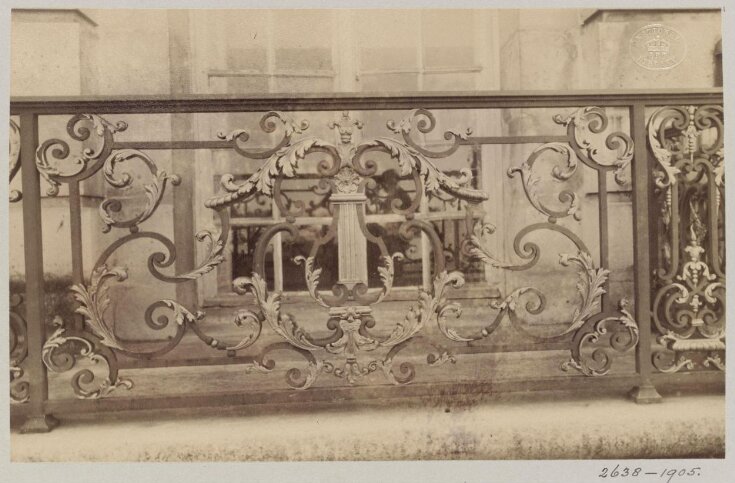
(352, 265)
(352, 350)
(689, 281)
(594, 327)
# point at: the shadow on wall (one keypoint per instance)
(59, 299)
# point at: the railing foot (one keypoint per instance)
(646, 393)
(39, 424)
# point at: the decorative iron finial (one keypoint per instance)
(345, 127)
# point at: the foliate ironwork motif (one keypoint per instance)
(14, 158)
(98, 342)
(83, 382)
(153, 190)
(347, 174)
(591, 322)
(19, 390)
(582, 126)
(347, 177)
(52, 160)
(620, 340)
(52, 156)
(689, 176)
(349, 308)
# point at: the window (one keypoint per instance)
(269, 51)
(323, 51)
(415, 51)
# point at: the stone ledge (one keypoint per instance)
(508, 428)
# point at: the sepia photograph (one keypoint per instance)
(331, 234)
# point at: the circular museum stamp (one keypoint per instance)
(657, 47)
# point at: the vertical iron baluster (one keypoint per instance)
(645, 392)
(603, 231)
(37, 421)
(75, 226)
(183, 162)
(183, 215)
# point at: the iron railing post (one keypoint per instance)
(75, 226)
(644, 392)
(37, 420)
(183, 162)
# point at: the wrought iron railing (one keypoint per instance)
(666, 155)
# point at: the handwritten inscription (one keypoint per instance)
(667, 475)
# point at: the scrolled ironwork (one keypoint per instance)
(532, 182)
(88, 347)
(268, 124)
(589, 322)
(350, 313)
(590, 286)
(621, 340)
(51, 153)
(410, 161)
(351, 350)
(98, 341)
(283, 162)
(14, 158)
(424, 122)
(690, 293)
(153, 191)
(593, 120)
(19, 389)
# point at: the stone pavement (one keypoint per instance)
(532, 426)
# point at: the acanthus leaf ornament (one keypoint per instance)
(424, 122)
(311, 276)
(430, 304)
(618, 145)
(94, 301)
(270, 304)
(433, 180)
(98, 340)
(153, 191)
(531, 182)
(89, 349)
(715, 361)
(386, 274)
(282, 162)
(268, 124)
(88, 162)
(584, 127)
(621, 340)
(475, 248)
(590, 286)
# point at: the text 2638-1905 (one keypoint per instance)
(666, 474)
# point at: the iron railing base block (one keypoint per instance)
(645, 394)
(39, 424)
